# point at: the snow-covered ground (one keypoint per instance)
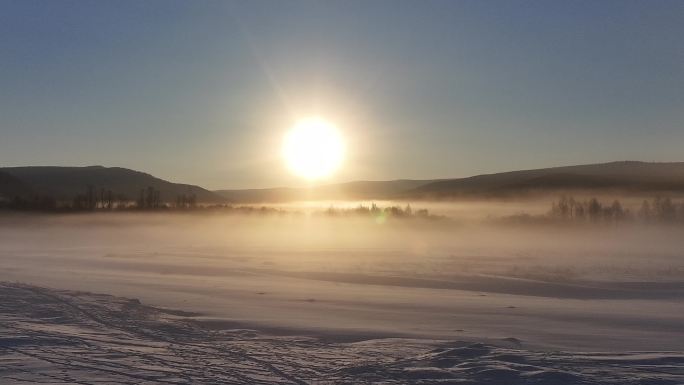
(337, 300)
(57, 336)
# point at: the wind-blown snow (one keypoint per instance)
(337, 300)
(67, 337)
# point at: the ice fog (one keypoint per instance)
(550, 286)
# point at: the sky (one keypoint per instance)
(202, 92)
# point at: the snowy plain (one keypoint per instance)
(317, 300)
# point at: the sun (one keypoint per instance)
(313, 148)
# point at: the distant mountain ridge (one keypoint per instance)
(341, 191)
(622, 176)
(65, 183)
(11, 186)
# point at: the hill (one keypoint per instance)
(11, 186)
(625, 177)
(64, 183)
(350, 190)
(621, 177)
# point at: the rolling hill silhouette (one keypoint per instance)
(350, 190)
(631, 177)
(622, 177)
(64, 183)
(11, 186)
(625, 177)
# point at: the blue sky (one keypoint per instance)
(202, 92)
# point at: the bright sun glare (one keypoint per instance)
(313, 148)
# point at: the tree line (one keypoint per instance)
(94, 199)
(659, 209)
(379, 212)
(150, 199)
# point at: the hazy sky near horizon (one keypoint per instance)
(202, 92)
